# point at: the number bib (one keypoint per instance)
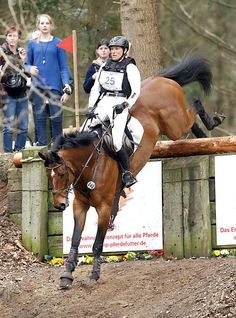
(111, 81)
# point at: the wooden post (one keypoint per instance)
(76, 85)
(193, 147)
(186, 208)
(34, 203)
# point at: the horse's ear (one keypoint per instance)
(43, 155)
(55, 156)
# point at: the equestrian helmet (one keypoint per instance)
(119, 41)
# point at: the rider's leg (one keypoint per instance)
(117, 133)
(209, 122)
(127, 177)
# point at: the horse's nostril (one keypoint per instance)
(60, 207)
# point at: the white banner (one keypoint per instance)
(225, 189)
(138, 224)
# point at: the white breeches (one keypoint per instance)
(104, 110)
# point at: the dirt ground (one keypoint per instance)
(203, 287)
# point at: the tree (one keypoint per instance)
(139, 23)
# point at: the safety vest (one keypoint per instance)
(113, 77)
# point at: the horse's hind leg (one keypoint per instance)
(197, 131)
(115, 208)
(209, 122)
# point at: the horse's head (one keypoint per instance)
(61, 177)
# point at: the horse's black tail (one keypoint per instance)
(190, 69)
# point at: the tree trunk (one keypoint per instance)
(139, 23)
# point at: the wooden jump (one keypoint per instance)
(194, 147)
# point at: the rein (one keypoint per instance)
(91, 184)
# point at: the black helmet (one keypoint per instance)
(119, 41)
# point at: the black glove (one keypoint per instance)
(90, 115)
(120, 107)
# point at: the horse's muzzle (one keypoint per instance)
(60, 207)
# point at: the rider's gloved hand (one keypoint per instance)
(90, 114)
(120, 107)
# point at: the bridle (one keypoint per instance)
(67, 188)
(90, 185)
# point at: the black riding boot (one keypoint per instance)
(127, 177)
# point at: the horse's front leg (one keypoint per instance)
(79, 210)
(103, 222)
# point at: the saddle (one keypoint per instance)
(103, 131)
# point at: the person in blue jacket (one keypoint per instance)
(51, 80)
(102, 51)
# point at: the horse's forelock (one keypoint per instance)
(52, 158)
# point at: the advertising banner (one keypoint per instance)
(225, 188)
(138, 224)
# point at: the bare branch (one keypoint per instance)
(11, 8)
(22, 20)
(198, 29)
(222, 3)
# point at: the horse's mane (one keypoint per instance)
(73, 140)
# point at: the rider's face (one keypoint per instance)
(116, 53)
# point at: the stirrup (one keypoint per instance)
(128, 179)
(219, 117)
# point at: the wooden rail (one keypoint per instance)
(194, 147)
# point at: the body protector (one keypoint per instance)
(113, 77)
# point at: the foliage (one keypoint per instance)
(87, 259)
(224, 253)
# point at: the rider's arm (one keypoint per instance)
(134, 79)
(95, 91)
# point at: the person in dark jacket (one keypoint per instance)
(13, 91)
(103, 51)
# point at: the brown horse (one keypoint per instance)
(78, 159)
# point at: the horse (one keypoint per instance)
(78, 159)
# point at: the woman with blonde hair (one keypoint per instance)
(47, 63)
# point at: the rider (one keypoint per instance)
(116, 89)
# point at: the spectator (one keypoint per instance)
(13, 91)
(51, 82)
(103, 51)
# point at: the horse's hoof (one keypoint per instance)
(66, 280)
(94, 277)
(219, 117)
(92, 281)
